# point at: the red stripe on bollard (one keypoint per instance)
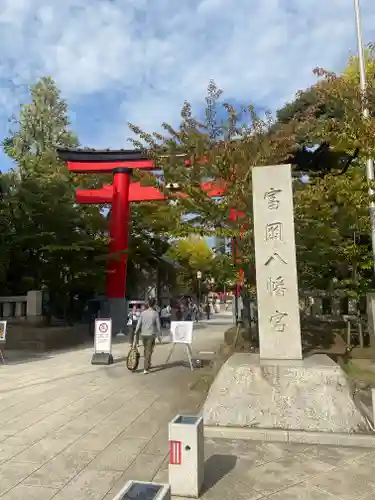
(175, 448)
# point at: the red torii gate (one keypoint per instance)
(120, 194)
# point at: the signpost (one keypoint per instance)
(182, 333)
(3, 333)
(102, 343)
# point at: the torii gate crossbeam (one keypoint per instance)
(120, 194)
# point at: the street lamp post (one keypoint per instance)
(234, 255)
(199, 278)
(366, 114)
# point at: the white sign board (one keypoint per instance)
(103, 335)
(3, 331)
(182, 332)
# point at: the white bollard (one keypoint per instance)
(373, 406)
(139, 490)
(186, 455)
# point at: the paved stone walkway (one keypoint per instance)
(248, 470)
(73, 430)
(70, 430)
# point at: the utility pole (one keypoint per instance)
(366, 114)
(369, 174)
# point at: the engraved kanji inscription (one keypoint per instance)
(272, 199)
(277, 320)
(276, 286)
(274, 231)
(274, 258)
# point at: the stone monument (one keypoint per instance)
(276, 268)
(277, 389)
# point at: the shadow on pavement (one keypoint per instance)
(21, 357)
(215, 468)
(119, 360)
(115, 370)
(172, 364)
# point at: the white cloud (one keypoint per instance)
(161, 52)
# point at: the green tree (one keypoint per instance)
(56, 243)
(351, 72)
(333, 224)
(230, 149)
(243, 140)
(193, 254)
(41, 127)
(223, 271)
(6, 223)
(332, 228)
(332, 221)
(331, 109)
(53, 241)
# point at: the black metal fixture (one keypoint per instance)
(322, 161)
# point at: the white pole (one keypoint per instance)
(365, 111)
(361, 56)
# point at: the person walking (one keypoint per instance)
(133, 320)
(149, 328)
(165, 316)
(193, 311)
(175, 310)
(208, 309)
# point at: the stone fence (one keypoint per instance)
(27, 307)
(325, 305)
(356, 316)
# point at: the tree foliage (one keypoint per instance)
(351, 72)
(50, 242)
(333, 220)
(223, 272)
(41, 127)
(193, 255)
(331, 213)
(47, 240)
(223, 152)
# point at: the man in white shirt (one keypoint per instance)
(149, 328)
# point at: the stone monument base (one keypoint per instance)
(313, 394)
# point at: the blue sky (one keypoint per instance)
(138, 60)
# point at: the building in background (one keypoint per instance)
(220, 245)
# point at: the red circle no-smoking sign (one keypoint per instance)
(103, 328)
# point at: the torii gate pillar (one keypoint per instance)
(118, 248)
(119, 234)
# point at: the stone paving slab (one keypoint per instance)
(84, 431)
(74, 430)
(285, 471)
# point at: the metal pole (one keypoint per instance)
(365, 111)
(234, 255)
(199, 278)
(361, 56)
